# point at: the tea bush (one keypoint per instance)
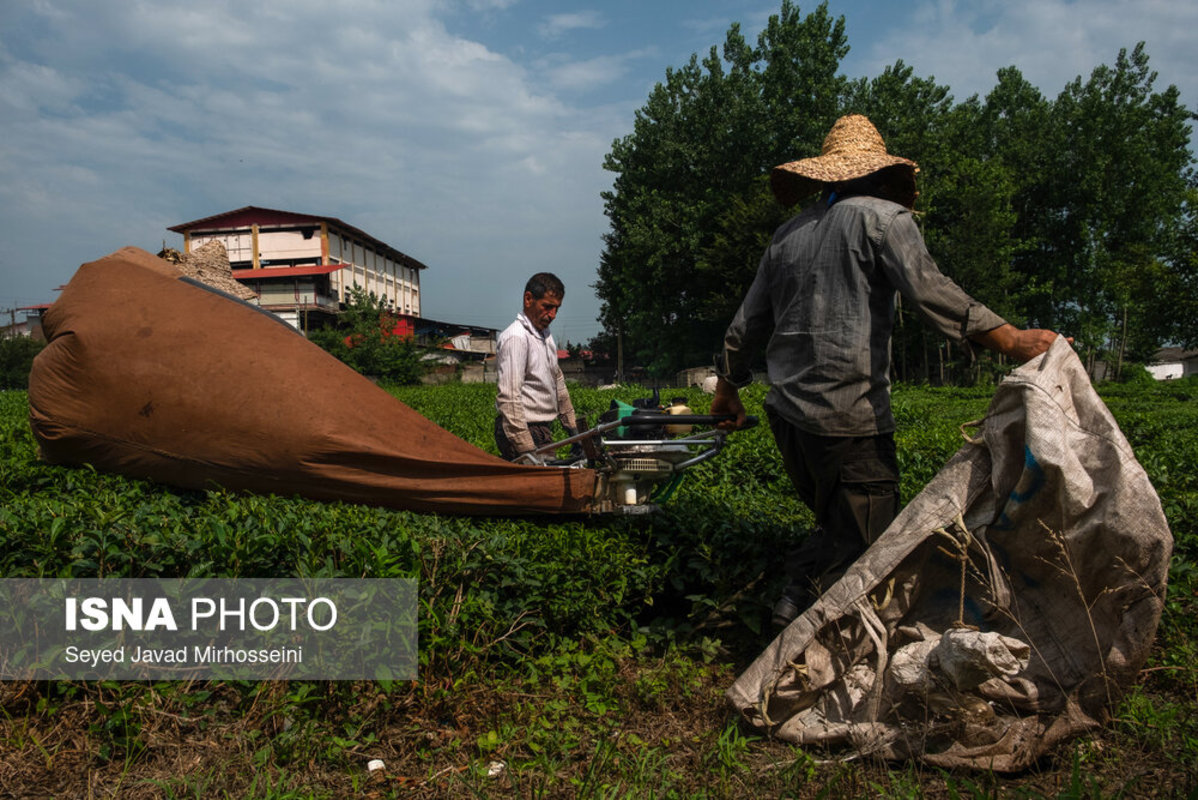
(710, 553)
(579, 621)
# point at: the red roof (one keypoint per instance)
(256, 215)
(285, 272)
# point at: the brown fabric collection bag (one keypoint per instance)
(152, 375)
(1005, 609)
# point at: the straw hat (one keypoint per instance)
(852, 149)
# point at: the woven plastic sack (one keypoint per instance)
(1004, 610)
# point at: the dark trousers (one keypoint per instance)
(542, 434)
(851, 484)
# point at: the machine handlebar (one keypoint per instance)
(641, 419)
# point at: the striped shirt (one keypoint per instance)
(531, 385)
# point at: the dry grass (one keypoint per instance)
(434, 740)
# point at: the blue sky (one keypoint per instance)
(469, 134)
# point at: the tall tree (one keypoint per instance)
(1015, 123)
(797, 63)
(656, 208)
(1071, 214)
(1119, 181)
(696, 154)
(1174, 282)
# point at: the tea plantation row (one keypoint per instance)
(562, 577)
(544, 617)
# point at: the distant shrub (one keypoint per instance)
(16, 359)
(365, 339)
(1136, 374)
(501, 589)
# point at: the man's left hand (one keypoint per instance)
(529, 458)
(727, 401)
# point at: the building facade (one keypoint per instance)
(31, 326)
(1171, 363)
(302, 267)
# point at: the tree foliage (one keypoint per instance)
(1075, 213)
(365, 338)
(16, 359)
(703, 140)
(1122, 172)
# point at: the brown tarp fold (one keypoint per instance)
(151, 375)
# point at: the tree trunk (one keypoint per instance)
(619, 356)
(1122, 347)
(923, 352)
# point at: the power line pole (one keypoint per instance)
(619, 356)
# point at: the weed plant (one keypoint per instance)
(566, 657)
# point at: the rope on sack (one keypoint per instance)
(875, 629)
(767, 693)
(979, 438)
(961, 543)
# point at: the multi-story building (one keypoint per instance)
(302, 266)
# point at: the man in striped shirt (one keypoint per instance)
(532, 390)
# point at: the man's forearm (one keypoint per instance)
(565, 407)
(1016, 343)
(747, 331)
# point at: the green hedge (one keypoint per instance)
(499, 587)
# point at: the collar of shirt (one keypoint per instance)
(528, 326)
(545, 337)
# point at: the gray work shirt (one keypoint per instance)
(824, 296)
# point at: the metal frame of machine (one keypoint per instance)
(636, 474)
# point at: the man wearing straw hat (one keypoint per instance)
(823, 304)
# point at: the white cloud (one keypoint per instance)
(120, 118)
(490, 5)
(121, 121)
(556, 25)
(1050, 41)
(562, 73)
(27, 88)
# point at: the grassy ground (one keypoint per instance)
(566, 658)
